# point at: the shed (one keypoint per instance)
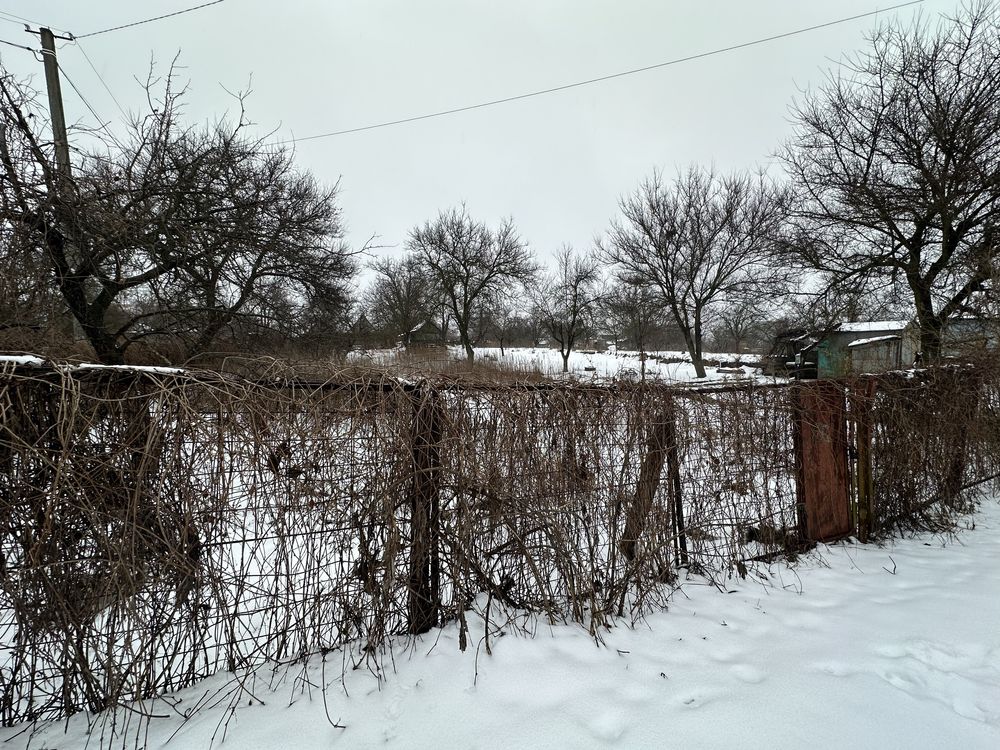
(866, 346)
(427, 335)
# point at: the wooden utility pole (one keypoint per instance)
(55, 102)
(59, 136)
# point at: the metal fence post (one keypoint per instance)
(424, 579)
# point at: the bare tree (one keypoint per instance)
(633, 312)
(736, 325)
(566, 299)
(470, 263)
(400, 297)
(701, 242)
(504, 318)
(896, 166)
(173, 231)
(27, 301)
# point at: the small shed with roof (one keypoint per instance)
(867, 346)
(426, 335)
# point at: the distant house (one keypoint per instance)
(427, 335)
(868, 346)
(361, 331)
(597, 341)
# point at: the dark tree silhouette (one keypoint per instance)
(701, 242)
(174, 232)
(470, 264)
(896, 167)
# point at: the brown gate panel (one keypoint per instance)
(821, 456)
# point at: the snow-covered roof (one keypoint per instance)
(872, 325)
(874, 340)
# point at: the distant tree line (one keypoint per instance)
(175, 241)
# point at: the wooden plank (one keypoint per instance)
(821, 455)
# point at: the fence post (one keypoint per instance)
(861, 408)
(822, 472)
(424, 579)
(661, 448)
(676, 499)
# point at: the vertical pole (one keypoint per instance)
(649, 480)
(55, 103)
(424, 579)
(59, 138)
(674, 471)
(660, 449)
(863, 449)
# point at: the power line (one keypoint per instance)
(600, 79)
(12, 18)
(101, 79)
(103, 125)
(150, 20)
(20, 46)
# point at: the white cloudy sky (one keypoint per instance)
(556, 163)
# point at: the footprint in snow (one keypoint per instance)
(905, 680)
(697, 700)
(607, 726)
(748, 673)
(836, 669)
(969, 710)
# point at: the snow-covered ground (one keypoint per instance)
(585, 364)
(856, 646)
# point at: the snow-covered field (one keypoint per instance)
(583, 364)
(857, 646)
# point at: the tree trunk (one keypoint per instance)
(105, 347)
(693, 351)
(565, 359)
(929, 322)
(930, 339)
(699, 365)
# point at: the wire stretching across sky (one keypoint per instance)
(600, 79)
(150, 20)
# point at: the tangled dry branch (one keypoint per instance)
(157, 527)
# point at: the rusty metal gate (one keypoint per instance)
(821, 456)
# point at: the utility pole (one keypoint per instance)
(55, 103)
(70, 325)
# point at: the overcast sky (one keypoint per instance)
(556, 163)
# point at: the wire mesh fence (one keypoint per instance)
(158, 527)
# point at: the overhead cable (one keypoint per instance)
(599, 79)
(149, 20)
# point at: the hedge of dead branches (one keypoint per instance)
(933, 434)
(158, 526)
